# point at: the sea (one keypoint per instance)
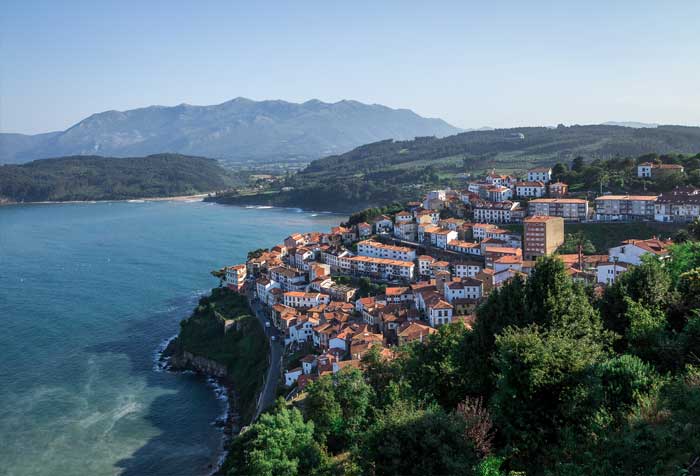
(89, 293)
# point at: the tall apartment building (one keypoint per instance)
(543, 235)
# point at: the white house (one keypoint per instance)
(405, 231)
(539, 174)
(631, 251)
(442, 237)
(467, 288)
(299, 299)
(235, 276)
(291, 376)
(424, 265)
(530, 189)
(607, 273)
(308, 364)
(499, 193)
(383, 224)
(644, 170)
(466, 270)
(439, 312)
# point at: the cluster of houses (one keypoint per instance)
(431, 270)
(501, 199)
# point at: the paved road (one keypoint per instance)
(269, 391)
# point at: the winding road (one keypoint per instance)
(269, 391)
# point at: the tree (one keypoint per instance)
(542, 388)
(338, 405)
(578, 164)
(558, 171)
(626, 381)
(648, 284)
(323, 409)
(409, 441)
(280, 443)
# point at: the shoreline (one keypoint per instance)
(229, 421)
(177, 198)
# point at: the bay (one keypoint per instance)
(88, 293)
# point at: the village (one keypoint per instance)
(395, 279)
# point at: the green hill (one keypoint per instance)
(106, 178)
(387, 171)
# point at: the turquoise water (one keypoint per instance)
(88, 292)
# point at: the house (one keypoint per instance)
(308, 364)
(291, 376)
(607, 273)
(464, 247)
(342, 292)
(492, 253)
(235, 277)
(441, 237)
(539, 174)
(652, 170)
(376, 249)
(570, 209)
(383, 224)
(466, 270)
(303, 300)
(625, 207)
(288, 278)
(679, 205)
(631, 251)
(463, 288)
(499, 193)
(508, 262)
(494, 212)
(479, 230)
(558, 190)
(399, 294)
(426, 217)
(364, 229)
(414, 331)
(439, 311)
(403, 217)
(530, 189)
(424, 265)
(510, 238)
(405, 231)
(263, 286)
(294, 240)
(495, 179)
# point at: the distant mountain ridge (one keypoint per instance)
(239, 129)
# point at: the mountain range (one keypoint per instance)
(240, 129)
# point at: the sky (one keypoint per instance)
(472, 63)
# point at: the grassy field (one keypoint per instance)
(606, 235)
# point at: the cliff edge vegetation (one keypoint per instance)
(224, 339)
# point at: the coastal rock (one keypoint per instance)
(189, 361)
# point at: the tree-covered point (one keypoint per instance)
(242, 349)
(110, 178)
(553, 379)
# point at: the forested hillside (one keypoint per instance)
(107, 178)
(552, 379)
(382, 172)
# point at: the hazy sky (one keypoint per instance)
(473, 64)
